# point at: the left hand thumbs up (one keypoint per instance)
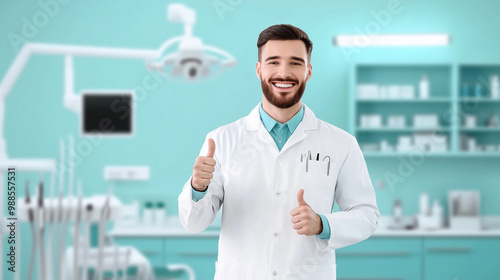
(300, 198)
(305, 221)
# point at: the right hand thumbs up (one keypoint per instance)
(211, 148)
(204, 168)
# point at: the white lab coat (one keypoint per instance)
(258, 186)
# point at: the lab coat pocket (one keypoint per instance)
(319, 185)
(231, 271)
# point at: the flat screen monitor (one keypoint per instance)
(107, 113)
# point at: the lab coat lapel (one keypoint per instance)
(254, 123)
(309, 122)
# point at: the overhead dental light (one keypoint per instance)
(192, 59)
(403, 40)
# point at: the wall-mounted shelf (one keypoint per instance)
(394, 100)
(480, 100)
(481, 129)
(433, 155)
(402, 129)
(455, 91)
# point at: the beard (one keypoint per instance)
(277, 99)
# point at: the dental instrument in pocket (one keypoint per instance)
(328, 166)
(308, 158)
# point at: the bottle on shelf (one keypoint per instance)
(495, 86)
(424, 87)
(464, 91)
(160, 214)
(437, 213)
(493, 121)
(478, 90)
(470, 121)
(424, 204)
(472, 144)
(147, 214)
(397, 211)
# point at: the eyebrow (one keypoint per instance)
(293, 58)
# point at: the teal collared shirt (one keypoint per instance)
(280, 134)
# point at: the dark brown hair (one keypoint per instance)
(284, 32)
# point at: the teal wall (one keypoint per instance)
(173, 119)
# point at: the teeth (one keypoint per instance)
(283, 85)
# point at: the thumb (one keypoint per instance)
(211, 148)
(300, 198)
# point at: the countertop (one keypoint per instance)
(173, 228)
(490, 228)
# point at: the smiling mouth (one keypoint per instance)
(284, 86)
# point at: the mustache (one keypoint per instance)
(284, 80)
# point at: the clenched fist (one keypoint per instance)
(203, 169)
(305, 221)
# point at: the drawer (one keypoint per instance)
(462, 245)
(380, 258)
(462, 258)
(381, 246)
(151, 248)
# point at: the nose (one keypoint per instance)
(284, 71)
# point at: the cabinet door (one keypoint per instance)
(462, 258)
(151, 248)
(200, 253)
(380, 258)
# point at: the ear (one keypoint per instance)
(309, 72)
(257, 69)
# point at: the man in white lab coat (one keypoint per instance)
(277, 173)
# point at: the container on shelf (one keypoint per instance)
(479, 91)
(424, 87)
(425, 121)
(397, 211)
(471, 144)
(470, 121)
(493, 121)
(160, 214)
(371, 121)
(368, 91)
(464, 90)
(147, 213)
(495, 86)
(396, 121)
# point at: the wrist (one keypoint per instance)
(318, 219)
(204, 190)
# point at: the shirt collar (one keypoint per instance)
(269, 122)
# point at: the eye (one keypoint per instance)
(296, 63)
(273, 62)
